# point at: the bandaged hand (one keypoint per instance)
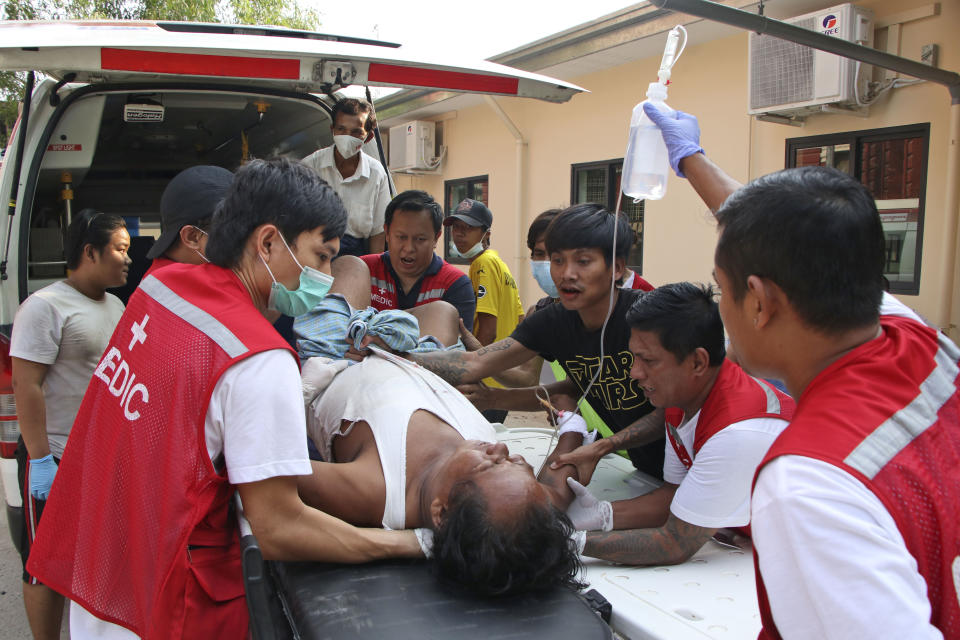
(42, 472)
(586, 511)
(681, 133)
(425, 539)
(569, 421)
(317, 374)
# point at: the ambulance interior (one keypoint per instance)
(116, 151)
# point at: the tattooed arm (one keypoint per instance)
(458, 367)
(675, 542)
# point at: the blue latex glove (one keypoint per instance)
(42, 472)
(681, 133)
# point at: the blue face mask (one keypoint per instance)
(541, 273)
(472, 252)
(314, 286)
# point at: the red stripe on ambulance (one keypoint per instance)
(459, 80)
(198, 64)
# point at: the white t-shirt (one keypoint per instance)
(795, 502)
(715, 491)
(860, 582)
(60, 327)
(255, 424)
(365, 194)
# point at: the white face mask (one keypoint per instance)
(348, 146)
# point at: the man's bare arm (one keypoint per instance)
(459, 367)
(556, 479)
(648, 511)
(708, 180)
(673, 543)
(524, 399)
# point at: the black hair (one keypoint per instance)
(281, 192)
(533, 552)
(539, 226)
(684, 316)
(415, 201)
(355, 107)
(589, 226)
(814, 232)
(92, 227)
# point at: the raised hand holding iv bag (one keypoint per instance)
(646, 164)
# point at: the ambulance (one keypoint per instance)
(114, 110)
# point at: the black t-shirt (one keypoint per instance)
(558, 334)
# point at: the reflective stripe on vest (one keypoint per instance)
(900, 429)
(195, 316)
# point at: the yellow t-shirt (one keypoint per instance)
(496, 293)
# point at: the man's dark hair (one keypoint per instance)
(90, 227)
(684, 316)
(589, 226)
(355, 107)
(814, 232)
(530, 553)
(539, 226)
(281, 192)
(415, 201)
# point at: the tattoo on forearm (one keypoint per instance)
(500, 345)
(448, 365)
(674, 542)
(643, 431)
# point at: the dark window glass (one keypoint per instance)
(892, 164)
(600, 182)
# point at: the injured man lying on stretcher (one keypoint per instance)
(407, 450)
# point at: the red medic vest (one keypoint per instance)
(735, 397)
(159, 263)
(138, 529)
(383, 288)
(640, 283)
(888, 413)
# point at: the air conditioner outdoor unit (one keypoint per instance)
(412, 146)
(792, 79)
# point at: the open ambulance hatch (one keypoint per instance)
(125, 51)
(125, 106)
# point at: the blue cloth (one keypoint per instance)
(332, 327)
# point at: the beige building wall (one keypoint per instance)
(710, 81)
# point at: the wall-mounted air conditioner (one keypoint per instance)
(792, 79)
(412, 146)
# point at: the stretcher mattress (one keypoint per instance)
(402, 600)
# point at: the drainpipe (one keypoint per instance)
(520, 274)
(761, 24)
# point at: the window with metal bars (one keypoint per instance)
(600, 182)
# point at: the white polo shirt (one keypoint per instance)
(365, 194)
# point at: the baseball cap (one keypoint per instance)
(190, 197)
(473, 212)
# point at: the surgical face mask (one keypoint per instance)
(197, 251)
(472, 252)
(348, 146)
(541, 273)
(314, 286)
